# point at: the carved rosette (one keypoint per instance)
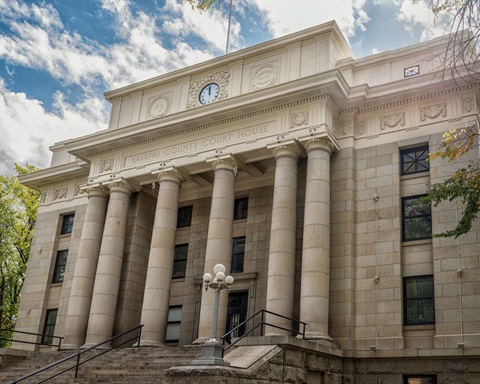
(158, 106)
(392, 121)
(468, 104)
(221, 78)
(433, 111)
(263, 77)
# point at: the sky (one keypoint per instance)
(58, 57)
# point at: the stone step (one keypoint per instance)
(121, 366)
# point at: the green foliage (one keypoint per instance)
(464, 185)
(201, 5)
(18, 213)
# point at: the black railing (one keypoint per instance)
(42, 342)
(250, 327)
(78, 355)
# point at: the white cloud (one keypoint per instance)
(287, 17)
(27, 130)
(416, 13)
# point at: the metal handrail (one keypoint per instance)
(32, 334)
(78, 354)
(262, 324)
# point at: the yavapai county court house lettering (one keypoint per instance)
(198, 145)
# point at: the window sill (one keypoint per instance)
(420, 327)
(416, 242)
(415, 175)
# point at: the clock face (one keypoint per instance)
(209, 93)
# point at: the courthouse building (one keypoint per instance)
(299, 168)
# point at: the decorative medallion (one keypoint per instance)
(298, 119)
(220, 79)
(434, 111)
(107, 165)
(60, 193)
(343, 128)
(468, 104)
(159, 106)
(392, 121)
(360, 128)
(264, 76)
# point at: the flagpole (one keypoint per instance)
(228, 31)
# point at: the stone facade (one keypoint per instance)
(313, 138)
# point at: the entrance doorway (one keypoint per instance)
(237, 312)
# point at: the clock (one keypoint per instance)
(209, 93)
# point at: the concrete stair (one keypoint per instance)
(121, 366)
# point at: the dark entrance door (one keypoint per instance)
(237, 312)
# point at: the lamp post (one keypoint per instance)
(212, 350)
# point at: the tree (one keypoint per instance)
(18, 213)
(201, 5)
(465, 182)
(461, 19)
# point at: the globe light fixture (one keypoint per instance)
(212, 350)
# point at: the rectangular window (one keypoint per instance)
(180, 261)
(67, 224)
(419, 379)
(49, 327)
(414, 160)
(411, 71)
(184, 218)
(173, 323)
(60, 264)
(240, 208)
(238, 254)
(417, 219)
(418, 300)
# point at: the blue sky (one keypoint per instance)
(58, 57)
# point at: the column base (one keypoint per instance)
(90, 345)
(211, 355)
(312, 336)
(69, 347)
(149, 343)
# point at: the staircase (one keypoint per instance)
(120, 366)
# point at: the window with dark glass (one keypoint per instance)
(180, 260)
(419, 379)
(184, 218)
(49, 326)
(60, 264)
(67, 224)
(238, 254)
(417, 218)
(414, 160)
(240, 208)
(174, 320)
(418, 300)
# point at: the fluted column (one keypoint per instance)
(160, 261)
(107, 278)
(219, 243)
(85, 267)
(281, 259)
(315, 281)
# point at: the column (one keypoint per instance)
(219, 243)
(85, 267)
(281, 259)
(160, 260)
(107, 278)
(314, 293)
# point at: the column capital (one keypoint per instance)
(96, 190)
(322, 143)
(229, 162)
(171, 174)
(287, 149)
(122, 185)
